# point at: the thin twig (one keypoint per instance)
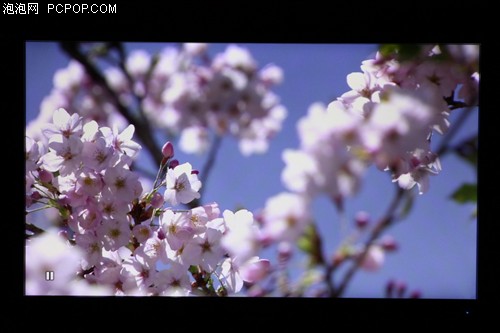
(389, 216)
(381, 225)
(210, 161)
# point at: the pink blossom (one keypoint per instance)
(195, 49)
(89, 182)
(64, 155)
(114, 234)
(138, 62)
(374, 259)
(211, 251)
(111, 208)
(89, 217)
(64, 125)
(98, 155)
(285, 216)
(142, 232)
(142, 271)
(255, 269)
(194, 140)
(231, 277)
(154, 249)
(242, 238)
(90, 243)
(173, 282)
(122, 183)
(121, 142)
(33, 153)
(182, 185)
(177, 228)
(48, 252)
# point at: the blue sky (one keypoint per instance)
(437, 240)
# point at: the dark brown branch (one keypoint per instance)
(121, 63)
(210, 161)
(33, 228)
(143, 130)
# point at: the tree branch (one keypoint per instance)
(381, 225)
(143, 130)
(443, 146)
(210, 161)
(33, 228)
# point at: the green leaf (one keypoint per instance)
(388, 49)
(193, 269)
(305, 244)
(310, 243)
(465, 193)
(401, 51)
(408, 204)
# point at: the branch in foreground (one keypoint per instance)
(143, 130)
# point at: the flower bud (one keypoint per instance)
(388, 243)
(389, 288)
(168, 150)
(362, 219)
(36, 195)
(173, 164)
(255, 270)
(401, 289)
(157, 200)
(284, 251)
(374, 259)
(161, 234)
(45, 176)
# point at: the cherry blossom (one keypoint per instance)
(182, 185)
(285, 216)
(114, 234)
(33, 153)
(242, 238)
(122, 183)
(121, 142)
(64, 124)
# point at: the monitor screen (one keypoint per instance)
(345, 171)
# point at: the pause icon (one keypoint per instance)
(49, 275)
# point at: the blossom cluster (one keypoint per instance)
(387, 119)
(118, 239)
(181, 91)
